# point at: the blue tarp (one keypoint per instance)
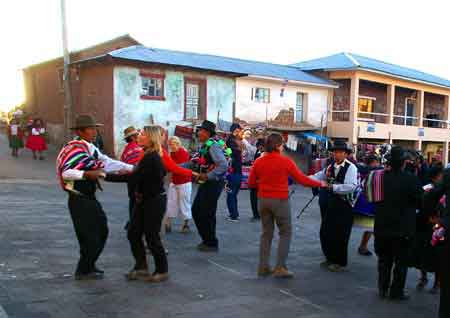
(313, 135)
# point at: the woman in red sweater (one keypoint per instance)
(180, 188)
(269, 175)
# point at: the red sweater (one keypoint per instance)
(172, 167)
(181, 156)
(270, 173)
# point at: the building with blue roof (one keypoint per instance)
(379, 102)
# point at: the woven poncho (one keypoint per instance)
(374, 186)
(75, 155)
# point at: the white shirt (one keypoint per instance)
(350, 180)
(37, 131)
(111, 165)
(14, 130)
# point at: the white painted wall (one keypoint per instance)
(253, 112)
(130, 109)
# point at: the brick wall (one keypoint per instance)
(434, 104)
(341, 99)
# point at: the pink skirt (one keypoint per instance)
(36, 143)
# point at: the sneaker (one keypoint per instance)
(137, 274)
(325, 264)
(185, 229)
(282, 272)
(157, 278)
(364, 252)
(422, 284)
(205, 248)
(434, 290)
(265, 271)
(233, 220)
(335, 268)
(98, 270)
(89, 276)
(255, 219)
(400, 297)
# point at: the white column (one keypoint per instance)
(354, 96)
(445, 154)
(390, 103)
(420, 106)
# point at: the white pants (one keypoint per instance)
(179, 201)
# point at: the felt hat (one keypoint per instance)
(208, 126)
(85, 121)
(130, 131)
(341, 145)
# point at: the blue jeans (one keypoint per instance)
(234, 185)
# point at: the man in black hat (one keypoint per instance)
(234, 178)
(395, 225)
(80, 165)
(213, 166)
(336, 207)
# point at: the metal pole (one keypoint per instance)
(66, 76)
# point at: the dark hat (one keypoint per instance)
(85, 121)
(209, 126)
(397, 155)
(340, 145)
(235, 126)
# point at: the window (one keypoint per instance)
(299, 105)
(365, 105)
(152, 86)
(261, 95)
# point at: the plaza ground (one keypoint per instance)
(38, 252)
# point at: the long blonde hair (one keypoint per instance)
(155, 140)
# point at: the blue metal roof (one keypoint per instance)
(217, 63)
(343, 61)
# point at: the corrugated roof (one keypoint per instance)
(217, 63)
(343, 61)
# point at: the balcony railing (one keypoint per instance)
(405, 120)
(373, 117)
(341, 115)
(435, 123)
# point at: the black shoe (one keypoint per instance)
(364, 252)
(206, 248)
(399, 297)
(382, 293)
(98, 270)
(89, 276)
(255, 219)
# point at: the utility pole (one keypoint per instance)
(66, 76)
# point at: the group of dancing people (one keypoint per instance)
(144, 164)
(31, 136)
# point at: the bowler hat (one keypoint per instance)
(208, 126)
(130, 131)
(234, 126)
(397, 154)
(341, 145)
(85, 121)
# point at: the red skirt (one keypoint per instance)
(36, 143)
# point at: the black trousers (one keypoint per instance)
(393, 257)
(254, 202)
(146, 221)
(204, 211)
(91, 229)
(335, 230)
(444, 307)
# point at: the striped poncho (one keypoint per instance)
(374, 186)
(75, 155)
(132, 153)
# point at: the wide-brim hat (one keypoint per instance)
(209, 126)
(130, 131)
(397, 154)
(340, 145)
(85, 121)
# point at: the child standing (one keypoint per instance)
(15, 136)
(36, 141)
